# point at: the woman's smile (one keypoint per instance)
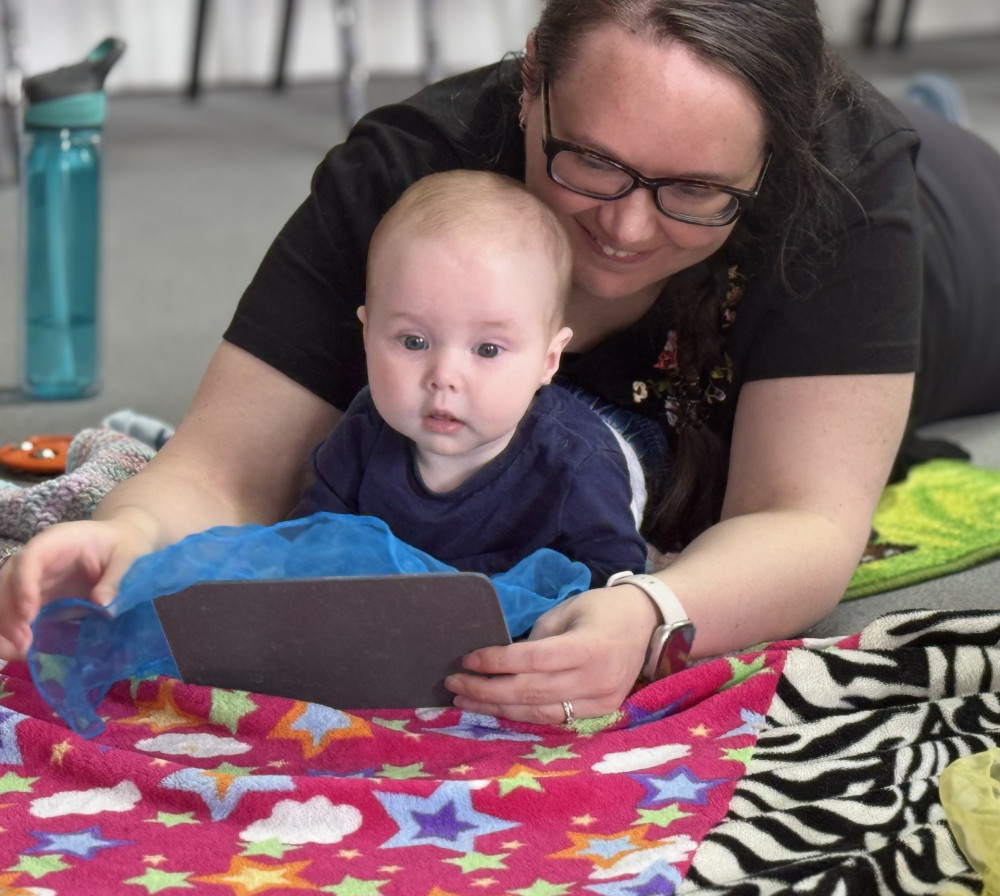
(611, 251)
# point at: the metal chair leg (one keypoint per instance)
(286, 30)
(432, 50)
(354, 83)
(194, 81)
(869, 24)
(901, 26)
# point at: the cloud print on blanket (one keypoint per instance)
(80, 649)
(317, 820)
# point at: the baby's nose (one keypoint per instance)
(443, 373)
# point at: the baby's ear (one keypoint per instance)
(552, 356)
(363, 317)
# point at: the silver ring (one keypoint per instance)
(568, 709)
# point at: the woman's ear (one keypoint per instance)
(363, 317)
(529, 70)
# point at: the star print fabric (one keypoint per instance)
(800, 767)
(189, 787)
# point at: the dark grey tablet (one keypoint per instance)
(348, 642)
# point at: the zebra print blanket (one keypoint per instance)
(799, 767)
(841, 795)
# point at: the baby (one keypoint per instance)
(459, 443)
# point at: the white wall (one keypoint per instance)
(242, 34)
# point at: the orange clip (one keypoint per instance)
(45, 454)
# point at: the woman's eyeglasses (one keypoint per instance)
(598, 176)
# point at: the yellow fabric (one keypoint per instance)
(970, 794)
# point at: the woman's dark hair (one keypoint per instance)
(777, 49)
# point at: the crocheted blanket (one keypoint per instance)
(797, 767)
(98, 459)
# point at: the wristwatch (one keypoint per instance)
(670, 645)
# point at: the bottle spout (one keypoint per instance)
(80, 78)
(103, 57)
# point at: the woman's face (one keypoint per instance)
(659, 109)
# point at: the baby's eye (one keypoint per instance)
(488, 350)
(413, 343)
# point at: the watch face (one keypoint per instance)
(675, 651)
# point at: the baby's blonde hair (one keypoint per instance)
(494, 209)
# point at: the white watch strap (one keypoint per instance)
(666, 601)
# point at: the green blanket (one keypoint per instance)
(945, 517)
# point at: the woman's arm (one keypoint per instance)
(238, 457)
(810, 457)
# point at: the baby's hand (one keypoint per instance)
(84, 559)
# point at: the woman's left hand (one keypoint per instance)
(587, 652)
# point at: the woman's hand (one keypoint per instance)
(84, 559)
(237, 457)
(588, 651)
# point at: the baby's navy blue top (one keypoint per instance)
(561, 483)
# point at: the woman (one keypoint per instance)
(744, 220)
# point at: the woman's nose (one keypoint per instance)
(632, 220)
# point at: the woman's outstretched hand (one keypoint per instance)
(84, 559)
(586, 651)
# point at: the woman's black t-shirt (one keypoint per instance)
(860, 313)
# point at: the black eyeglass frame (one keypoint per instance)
(552, 146)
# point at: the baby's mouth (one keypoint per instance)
(442, 422)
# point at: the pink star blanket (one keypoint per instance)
(801, 766)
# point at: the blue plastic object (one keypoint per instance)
(80, 649)
(61, 199)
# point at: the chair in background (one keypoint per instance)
(354, 82)
(869, 34)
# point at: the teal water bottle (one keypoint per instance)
(61, 227)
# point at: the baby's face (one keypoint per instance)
(458, 342)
